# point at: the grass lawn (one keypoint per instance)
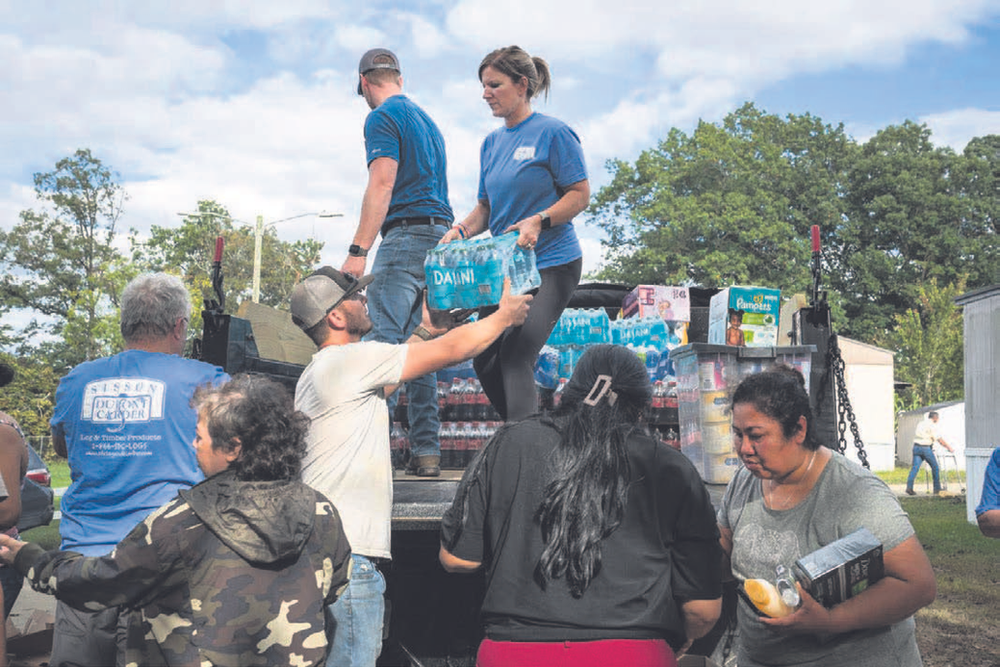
(59, 469)
(898, 476)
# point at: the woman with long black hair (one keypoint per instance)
(599, 541)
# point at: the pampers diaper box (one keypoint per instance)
(755, 313)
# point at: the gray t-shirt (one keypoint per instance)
(845, 498)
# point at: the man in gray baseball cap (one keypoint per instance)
(406, 202)
(322, 291)
(377, 59)
(343, 390)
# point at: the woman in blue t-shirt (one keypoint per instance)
(532, 180)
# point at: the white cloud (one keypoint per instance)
(428, 40)
(358, 38)
(955, 128)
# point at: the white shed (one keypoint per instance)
(868, 373)
(951, 425)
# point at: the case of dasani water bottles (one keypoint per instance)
(470, 274)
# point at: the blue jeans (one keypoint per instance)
(395, 309)
(923, 453)
(355, 630)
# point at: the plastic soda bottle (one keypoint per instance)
(451, 412)
(557, 396)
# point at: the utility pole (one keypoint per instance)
(258, 240)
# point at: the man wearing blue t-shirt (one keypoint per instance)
(988, 510)
(126, 425)
(407, 201)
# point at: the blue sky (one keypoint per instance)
(253, 104)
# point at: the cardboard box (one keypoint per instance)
(841, 569)
(758, 310)
(672, 304)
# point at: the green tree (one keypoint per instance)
(979, 177)
(730, 204)
(188, 250)
(30, 398)
(903, 227)
(61, 262)
(928, 340)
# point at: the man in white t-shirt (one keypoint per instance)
(343, 391)
(924, 437)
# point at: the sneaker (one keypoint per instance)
(424, 466)
(911, 492)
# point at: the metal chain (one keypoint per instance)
(835, 362)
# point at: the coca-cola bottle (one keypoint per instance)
(447, 440)
(468, 438)
(482, 435)
(468, 401)
(451, 405)
(482, 402)
(671, 397)
(657, 404)
(442, 398)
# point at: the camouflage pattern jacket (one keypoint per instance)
(227, 573)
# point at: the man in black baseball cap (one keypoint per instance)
(343, 390)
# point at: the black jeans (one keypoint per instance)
(506, 368)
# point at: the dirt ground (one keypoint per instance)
(949, 636)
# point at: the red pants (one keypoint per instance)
(601, 653)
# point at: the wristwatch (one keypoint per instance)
(546, 220)
(422, 333)
(354, 250)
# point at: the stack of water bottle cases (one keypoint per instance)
(470, 274)
(650, 337)
(468, 420)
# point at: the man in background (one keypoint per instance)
(407, 202)
(926, 435)
(126, 425)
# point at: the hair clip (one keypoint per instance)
(602, 386)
